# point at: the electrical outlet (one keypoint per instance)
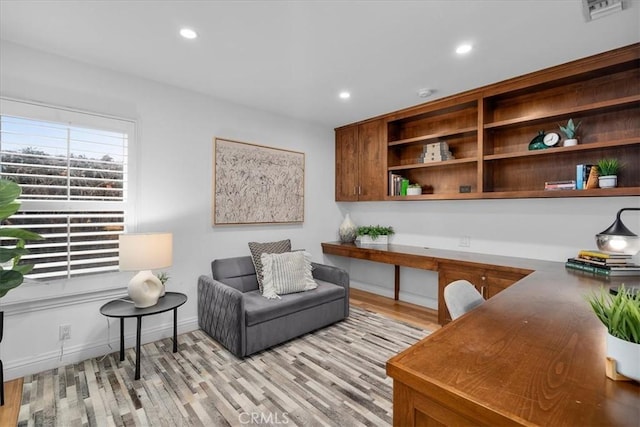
(65, 332)
(465, 242)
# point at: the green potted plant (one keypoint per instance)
(570, 131)
(608, 172)
(163, 276)
(414, 189)
(620, 313)
(11, 273)
(374, 234)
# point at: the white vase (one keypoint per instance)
(414, 191)
(570, 142)
(627, 356)
(608, 181)
(348, 230)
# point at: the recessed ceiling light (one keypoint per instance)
(463, 48)
(344, 95)
(188, 33)
(425, 93)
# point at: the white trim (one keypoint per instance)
(78, 353)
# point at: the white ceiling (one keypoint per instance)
(293, 57)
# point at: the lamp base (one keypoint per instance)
(144, 289)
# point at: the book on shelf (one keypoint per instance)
(586, 177)
(560, 185)
(397, 185)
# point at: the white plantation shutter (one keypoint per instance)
(72, 168)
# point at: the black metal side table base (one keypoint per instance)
(123, 308)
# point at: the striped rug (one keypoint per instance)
(332, 377)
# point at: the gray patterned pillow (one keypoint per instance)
(257, 249)
(286, 273)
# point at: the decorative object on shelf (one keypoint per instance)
(144, 252)
(537, 143)
(374, 235)
(570, 131)
(551, 139)
(11, 273)
(348, 230)
(618, 238)
(414, 190)
(620, 313)
(163, 276)
(608, 173)
(254, 184)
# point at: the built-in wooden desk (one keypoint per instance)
(532, 355)
(489, 273)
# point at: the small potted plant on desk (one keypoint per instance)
(608, 173)
(374, 235)
(620, 313)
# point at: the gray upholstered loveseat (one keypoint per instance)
(234, 313)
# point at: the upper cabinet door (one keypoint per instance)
(347, 164)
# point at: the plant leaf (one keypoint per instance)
(9, 279)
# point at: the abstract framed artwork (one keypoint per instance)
(254, 184)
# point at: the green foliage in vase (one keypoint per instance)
(12, 277)
(374, 231)
(570, 129)
(416, 185)
(608, 167)
(619, 313)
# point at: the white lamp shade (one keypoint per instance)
(145, 251)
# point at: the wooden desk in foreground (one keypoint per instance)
(532, 355)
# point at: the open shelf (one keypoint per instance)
(488, 131)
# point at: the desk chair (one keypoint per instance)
(461, 297)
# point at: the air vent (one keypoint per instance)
(594, 9)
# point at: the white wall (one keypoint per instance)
(174, 169)
(549, 229)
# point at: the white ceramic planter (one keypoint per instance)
(608, 181)
(380, 240)
(414, 191)
(570, 142)
(627, 356)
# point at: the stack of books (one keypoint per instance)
(397, 185)
(435, 152)
(560, 185)
(604, 263)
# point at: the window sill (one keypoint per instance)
(35, 295)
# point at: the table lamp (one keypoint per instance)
(618, 238)
(144, 252)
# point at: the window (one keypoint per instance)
(72, 168)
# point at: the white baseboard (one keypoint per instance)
(78, 353)
(404, 296)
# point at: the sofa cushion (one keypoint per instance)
(286, 273)
(238, 272)
(257, 249)
(259, 309)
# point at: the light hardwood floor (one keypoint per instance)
(403, 311)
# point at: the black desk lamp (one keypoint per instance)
(618, 238)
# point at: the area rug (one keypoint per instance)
(332, 377)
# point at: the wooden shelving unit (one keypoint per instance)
(488, 130)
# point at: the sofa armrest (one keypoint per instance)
(221, 314)
(334, 275)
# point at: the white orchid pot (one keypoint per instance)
(627, 356)
(608, 181)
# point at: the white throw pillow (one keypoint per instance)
(286, 273)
